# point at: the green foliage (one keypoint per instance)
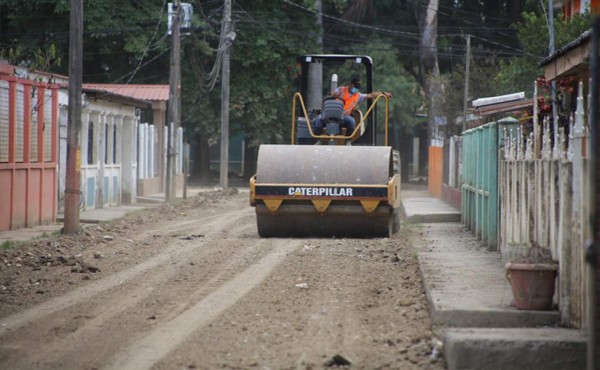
(119, 36)
(6, 245)
(516, 75)
(519, 73)
(532, 32)
(389, 75)
(35, 33)
(46, 60)
(42, 60)
(263, 70)
(567, 31)
(116, 35)
(13, 56)
(480, 85)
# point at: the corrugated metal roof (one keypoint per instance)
(115, 97)
(510, 106)
(142, 92)
(580, 40)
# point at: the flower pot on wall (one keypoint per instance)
(532, 284)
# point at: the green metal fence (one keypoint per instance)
(480, 179)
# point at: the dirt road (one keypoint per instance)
(193, 287)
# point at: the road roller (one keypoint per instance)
(329, 182)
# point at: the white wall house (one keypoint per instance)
(152, 137)
(109, 148)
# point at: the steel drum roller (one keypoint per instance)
(291, 165)
(324, 164)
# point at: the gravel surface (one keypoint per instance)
(192, 286)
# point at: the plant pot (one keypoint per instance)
(532, 284)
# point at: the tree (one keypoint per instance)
(519, 73)
(263, 72)
(389, 75)
(480, 85)
(413, 30)
(429, 71)
(117, 34)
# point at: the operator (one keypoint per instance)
(352, 96)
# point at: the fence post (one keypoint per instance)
(452, 163)
(578, 315)
(493, 188)
(564, 235)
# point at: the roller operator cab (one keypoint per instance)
(331, 180)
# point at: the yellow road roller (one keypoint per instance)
(330, 181)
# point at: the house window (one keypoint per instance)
(106, 143)
(114, 144)
(90, 146)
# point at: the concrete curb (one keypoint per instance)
(540, 348)
(434, 218)
(421, 207)
(466, 290)
(471, 303)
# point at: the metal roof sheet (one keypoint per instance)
(510, 106)
(580, 40)
(142, 92)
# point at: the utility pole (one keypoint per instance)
(315, 72)
(467, 68)
(174, 101)
(227, 34)
(72, 190)
(430, 69)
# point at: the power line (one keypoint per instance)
(143, 65)
(149, 43)
(389, 31)
(354, 24)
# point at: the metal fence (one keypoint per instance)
(28, 152)
(480, 179)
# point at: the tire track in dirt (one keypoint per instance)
(203, 224)
(332, 325)
(122, 306)
(144, 353)
(331, 297)
(15, 321)
(221, 297)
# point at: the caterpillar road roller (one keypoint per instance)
(330, 181)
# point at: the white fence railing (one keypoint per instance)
(544, 184)
(148, 155)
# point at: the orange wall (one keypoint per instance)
(28, 185)
(574, 6)
(436, 170)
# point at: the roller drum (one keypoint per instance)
(324, 165)
(300, 220)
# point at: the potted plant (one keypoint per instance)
(532, 279)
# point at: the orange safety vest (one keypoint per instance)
(350, 101)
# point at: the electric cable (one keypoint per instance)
(149, 43)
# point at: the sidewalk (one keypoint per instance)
(471, 301)
(93, 216)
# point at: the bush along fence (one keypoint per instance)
(543, 190)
